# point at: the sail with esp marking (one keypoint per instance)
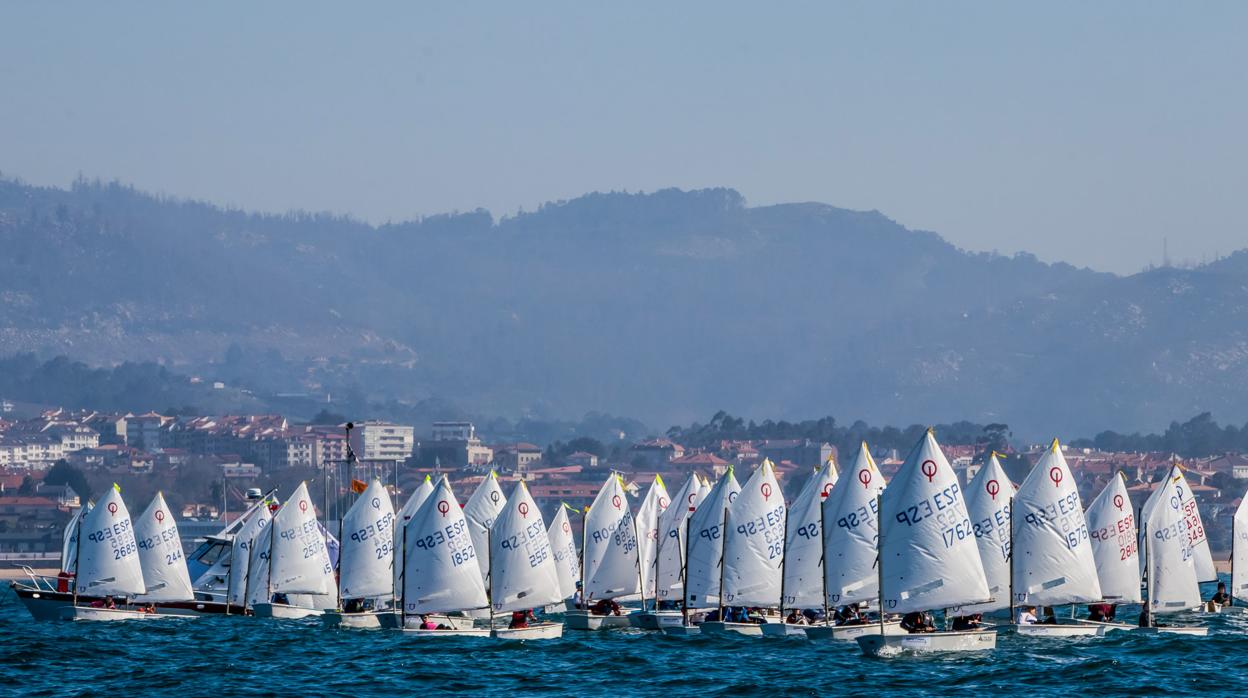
(442, 573)
(670, 561)
(1115, 542)
(1170, 542)
(418, 497)
(255, 531)
(851, 533)
(563, 549)
(1239, 551)
(928, 552)
(754, 546)
(522, 569)
(365, 562)
(298, 557)
(1201, 556)
(485, 504)
(652, 507)
(988, 499)
(108, 554)
(803, 545)
(160, 552)
(610, 546)
(706, 544)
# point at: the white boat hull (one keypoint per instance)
(446, 634)
(655, 620)
(1063, 630)
(537, 631)
(784, 630)
(284, 611)
(1193, 630)
(877, 645)
(681, 630)
(584, 620)
(716, 627)
(103, 614)
(848, 633)
(1211, 607)
(365, 619)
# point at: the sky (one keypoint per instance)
(1082, 132)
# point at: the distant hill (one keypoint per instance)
(665, 306)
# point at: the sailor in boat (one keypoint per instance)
(606, 607)
(849, 615)
(426, 624)
(975, 621)
(1220, 599)
(520, 619)
(1027, 616)
(106, 602)
(917, 622)
(1147, 621)
(795, 618)
(576, 598)
(1050, 617)
(1102, 612)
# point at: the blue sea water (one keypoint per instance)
(244, 656)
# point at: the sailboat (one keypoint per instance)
(563, 549)
(160, 555)
(704, 532)
(107, 562)
(523, 574)
(611, 565)
(243, 575)
(485, 504)
(850, 532)
(928, 555)
(1172, 536)
(801, 582)
(988, 502)
(365, 561)
(648, 515)
(440, 572)
(1053, 562)
(298, 561)
(394, 619)
(669, 560)
(1115, 546)
(1202, 558)
(752, 550)
(1239, 554)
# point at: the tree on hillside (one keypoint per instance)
(62, 473)
(327, 417)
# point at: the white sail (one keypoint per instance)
(988, 504)
(365, 562)
(670, 561)
(928, 552)
(482, 508)
(523, 575)
(1203, 558)
(1170, 544)
(1115, 543)
(160, 553)
(442, 573)
(1239, 551)
(108, 555)
(851, 533)
(258, 578)
(652, 507)
(299, 559)
(419, 495)
(254, 531)
(1053, 561)
(706, 545)
(754, 546)
(610, 547)
(803, 546)
(563, 549)
(69, 539)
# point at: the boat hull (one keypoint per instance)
(537, 631)
(1063, 630)
(1193, 630)
(681, 630)
(716, 627)
(923, 643)
(584, 620)
(446, 634)
(366, 619)
(46, 605)
(103, 614)
(283, 611)
(454, 622)
(784, 630)
(655, 620)
(848, 633)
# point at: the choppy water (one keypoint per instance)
(243, 656)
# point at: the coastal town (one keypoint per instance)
(51, 461)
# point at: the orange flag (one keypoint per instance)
(358, 487)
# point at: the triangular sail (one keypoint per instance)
(254, 530)
(706, 544)
(803, 545)
(851, 533)
(299, 559)
(257, 587)
(1115, 542)
(523, 573)
(988, 503)
(928, 550)
(1053, 561)
(610, 546)
(69, 539)
(652, 507)
(482, 508)
(1170, 544)
(1202, 557)
(670, 562)
(365, 560)
(563, 549)
(754, 547)
(1239, 551)
(418, 497)
(442, 573)
(108, 555)
(160, 552)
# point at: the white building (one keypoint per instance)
(382, 441)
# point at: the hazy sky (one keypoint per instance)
(1085, 132)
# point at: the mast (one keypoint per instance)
(783, 545)
(268, 572)
(77, 556)
(489, 578)
(229, 575)
(879, 558)
(584, 549)
(723, 548)
(641, 577)
(684, 578)
(1232, 594)
(251, 546)
(1011, 539)
(823, 560)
